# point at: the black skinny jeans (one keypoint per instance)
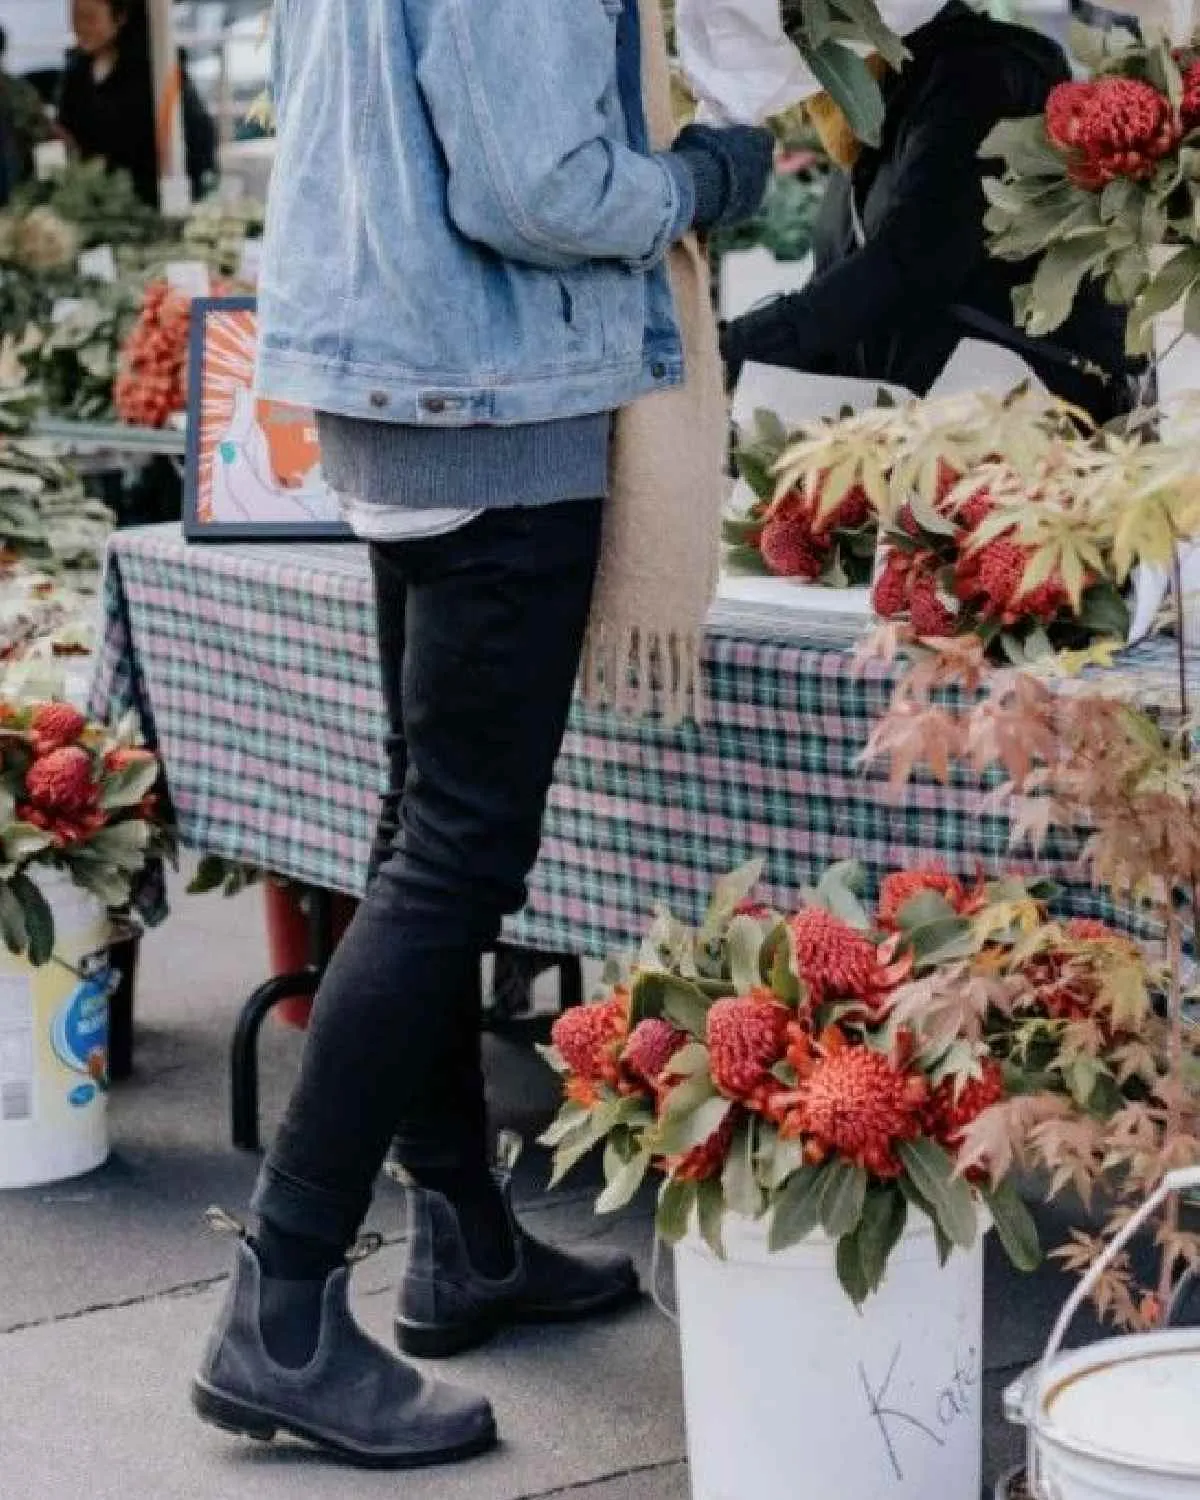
(480, 634)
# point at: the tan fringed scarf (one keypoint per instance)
(660, 553)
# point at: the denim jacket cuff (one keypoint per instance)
(681, 198)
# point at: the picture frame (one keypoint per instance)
(253, 465)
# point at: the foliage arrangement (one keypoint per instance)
(46, 517)
(75, 798)
(73, 360)
(842, 1067)
(1106, 186)
(1069, 755)
(40, 615)
(792, 534)
(102, 207)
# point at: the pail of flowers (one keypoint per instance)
(79, 819)
(825, 1098)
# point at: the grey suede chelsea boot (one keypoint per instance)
(446, 1307)
(353, 1398)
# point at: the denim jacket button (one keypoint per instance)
(658, 369)
(379, 399)
(435, 405)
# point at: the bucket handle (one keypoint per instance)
(656, 1286)
(1184, 1179)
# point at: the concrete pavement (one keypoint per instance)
(108, 1286)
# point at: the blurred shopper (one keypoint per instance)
(464, 275)
(902, 272)
(106, 107)
(24, 116)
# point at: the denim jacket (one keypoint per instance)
(465, 222)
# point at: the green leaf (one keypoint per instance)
(690, 1061)
(1105, 611)
(851, 1271)
(623, 1186)
(842, 1198)
(729, 893)
(571, 1117)
(785, 981)
(39, 920)
(783, 1159)
(798, 1208)
(23, 841)
(1024, 148)
(12, 922)
(932, 1173)
(920, 910)
(710, 1212)
(745, 945)
(686, 1006)
(883, 1218)
(601, 1120)
(845, 77)
(740, 1184)
(943, 941)
(746, 560)
(1058, 278)
(678, 1134)
(210, 875)
(676, 1203)
(1015, 1226)
(126, 788)
(839, 891)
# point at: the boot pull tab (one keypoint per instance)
(509, 1146)
(363, 1248)
(221, 1222)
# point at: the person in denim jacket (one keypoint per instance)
(464, 277)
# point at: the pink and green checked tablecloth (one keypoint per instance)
(254, 671)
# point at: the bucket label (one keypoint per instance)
(16, 1049)
(910, 1417)
(79, 1030)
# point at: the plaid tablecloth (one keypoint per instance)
(254, 672)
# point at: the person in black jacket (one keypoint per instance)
(902, 272)
(106, 106)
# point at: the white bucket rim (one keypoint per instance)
(1078, 1364)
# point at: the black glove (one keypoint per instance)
(730, 167)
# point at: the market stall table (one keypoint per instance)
(253, 669)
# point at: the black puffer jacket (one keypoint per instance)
(902, 269)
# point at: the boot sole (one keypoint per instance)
(439, 1341)
(243, 1420)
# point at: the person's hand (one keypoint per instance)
(730, 168)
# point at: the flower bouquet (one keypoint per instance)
(76, 800)
(1027, 573)
(843, 1067)
(1105, 185)
(796, 534)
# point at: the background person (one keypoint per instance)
(106, 104)
(25, 117)
(902, 273)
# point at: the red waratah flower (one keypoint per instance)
(898, 890)
(891, 591)
(755, 909)
(990, 578)
(929, 612)
(747, 1036)
(55, 725)
(972, 512)
(858, 1105)
(62, 781)
(66, 829)
(951, 1111)
(788, 546)
(708, 1159)
(590, 1037)
(836, 961)
(652, 1045)
(1189, 108)
(1112, 127)
(1088, 930)
(851, 513)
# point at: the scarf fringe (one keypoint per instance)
(641, 669)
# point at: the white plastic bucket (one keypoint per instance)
(53, 1047)
(1117, 1420)
(791, 1394)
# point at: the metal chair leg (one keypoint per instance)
(244, 1059)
